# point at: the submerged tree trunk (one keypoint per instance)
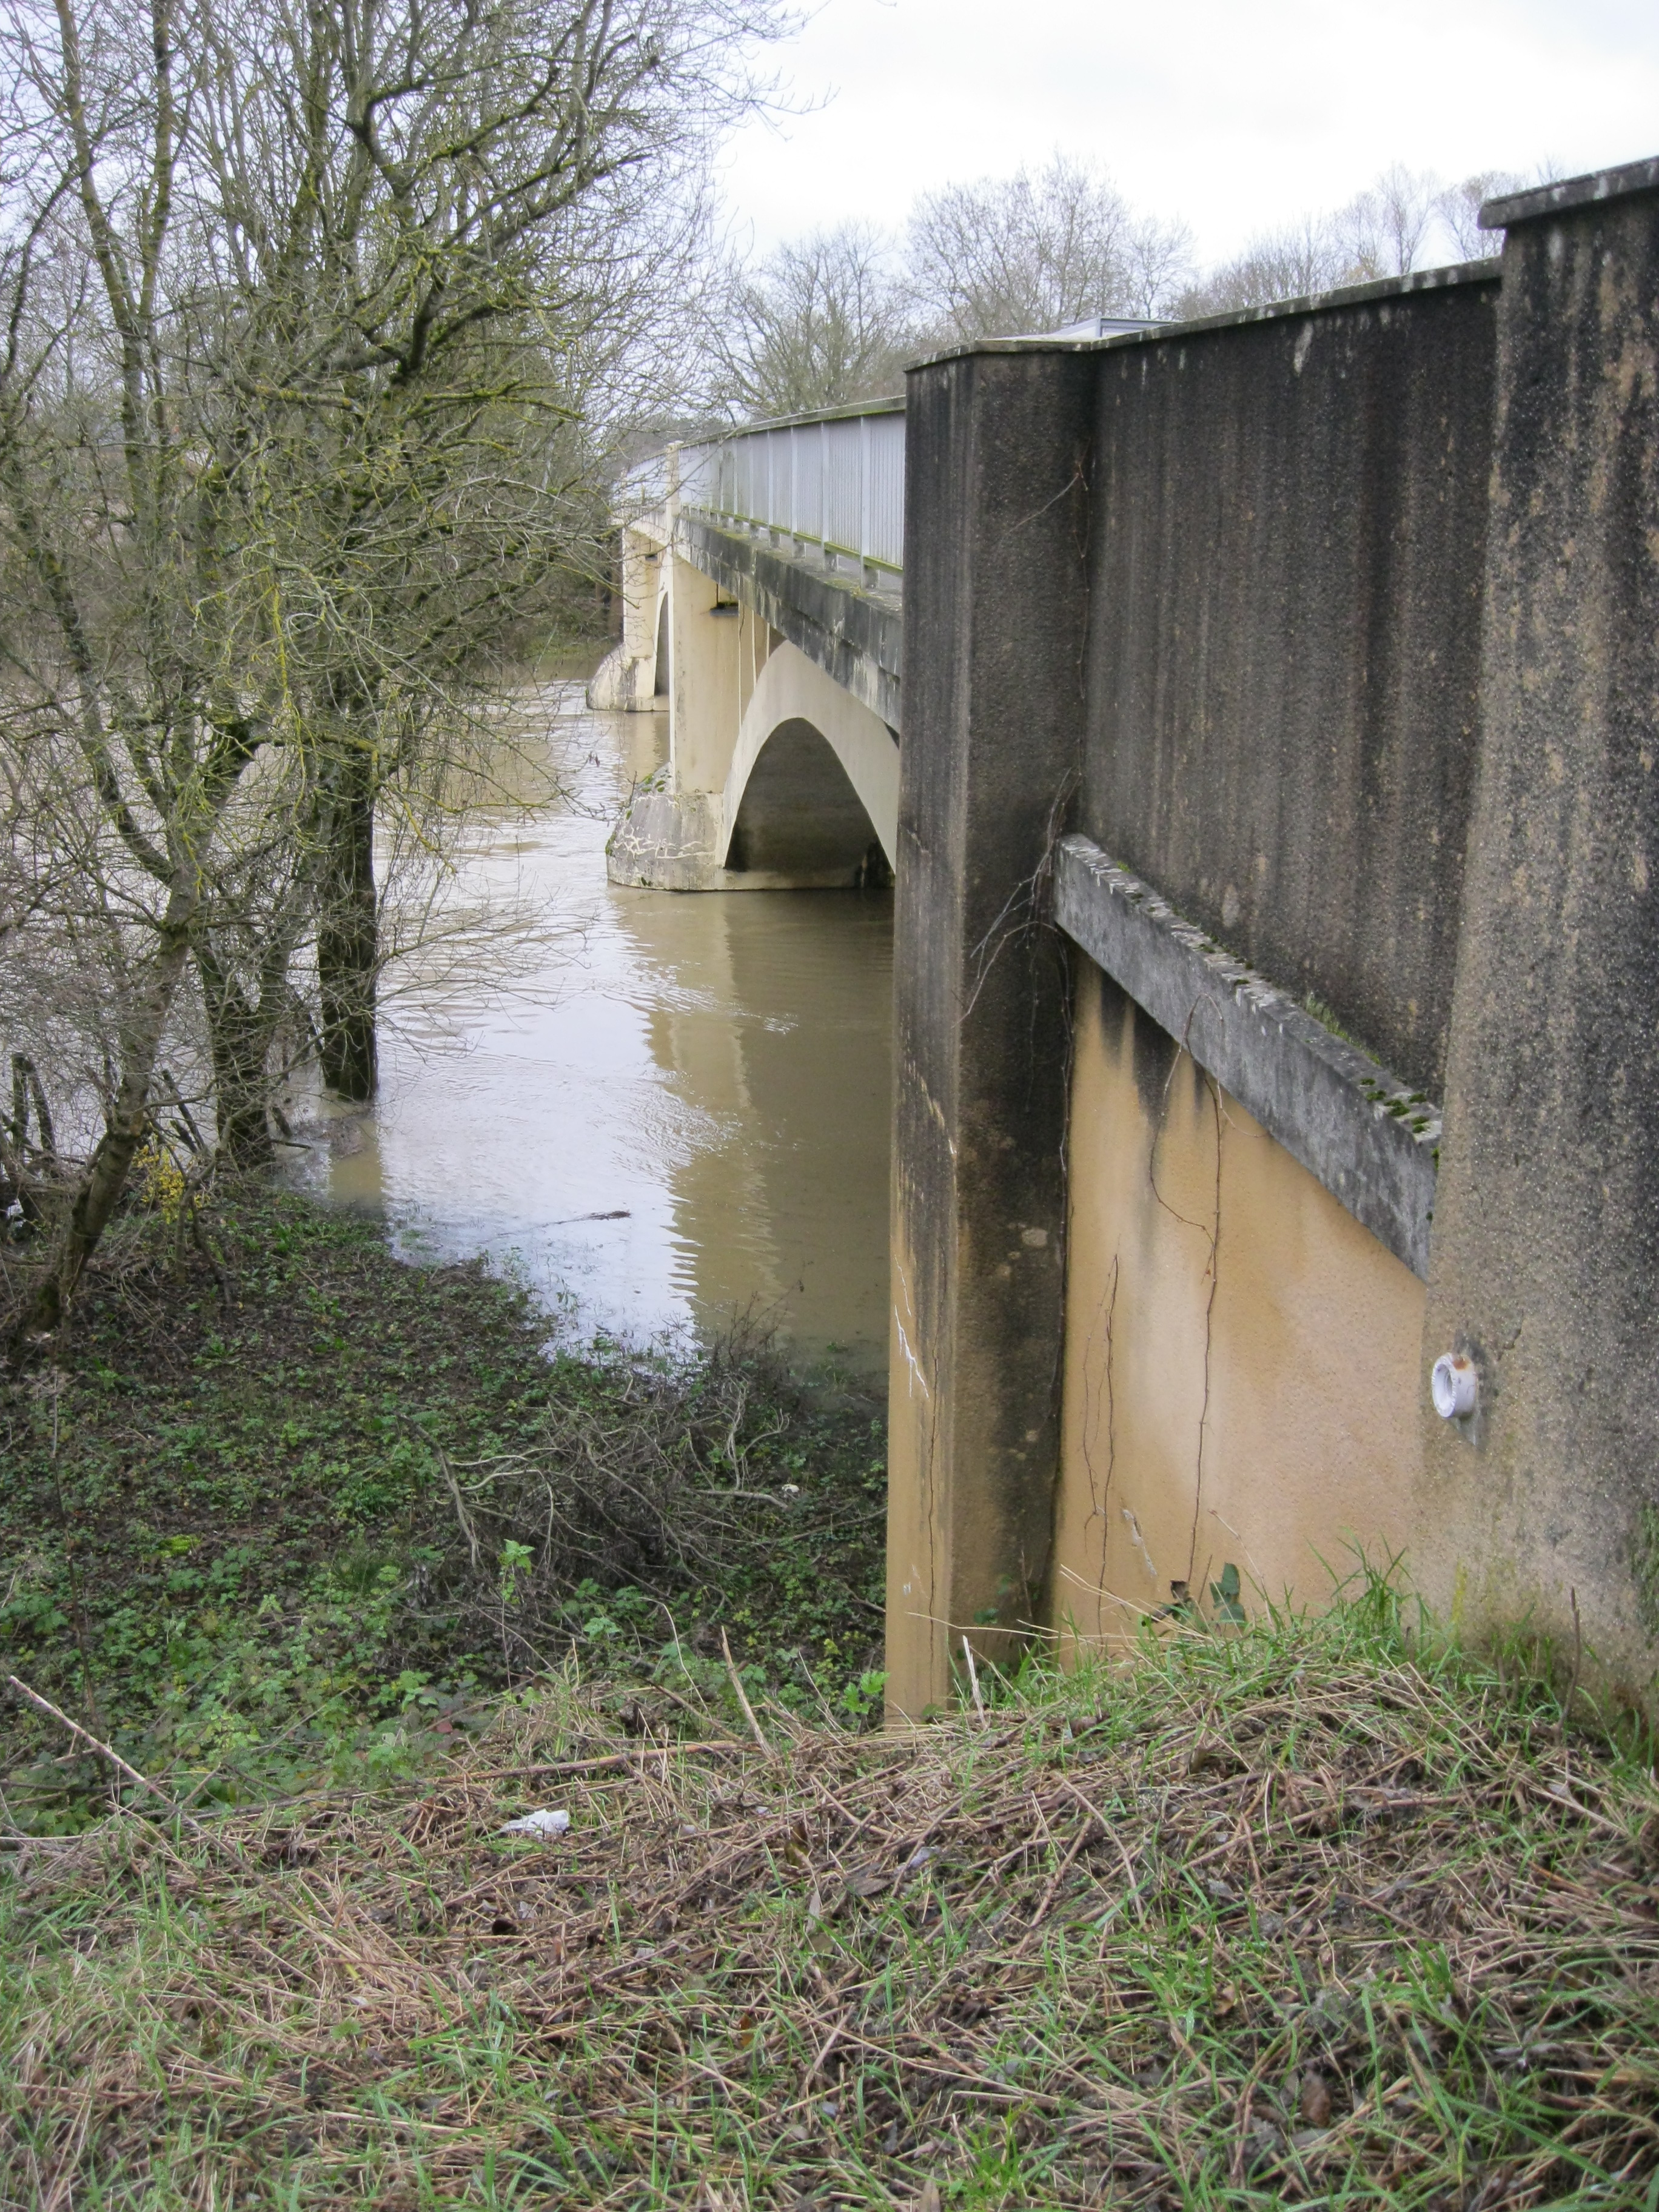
(347, 936)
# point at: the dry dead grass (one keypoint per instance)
(1303, 1915)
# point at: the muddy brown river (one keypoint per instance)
(673, 1112)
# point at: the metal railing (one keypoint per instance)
(831, 482)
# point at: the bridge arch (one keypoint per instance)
(662, 675)
(814, 778)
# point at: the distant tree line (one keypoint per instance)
(833, 316)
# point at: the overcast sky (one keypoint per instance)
(1233, 114)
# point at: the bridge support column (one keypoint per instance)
(671, 837)
(995, 603)
(1545, 1241)
(625, 680)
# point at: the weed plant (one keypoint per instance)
(1304, 1912)
(290, 1507)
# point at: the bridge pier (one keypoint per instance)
(779, 775)
(996, 603)
(625, 681)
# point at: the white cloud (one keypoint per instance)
(1236, 114)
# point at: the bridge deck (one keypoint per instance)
(854, 632)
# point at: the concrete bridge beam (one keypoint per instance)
(777, 778)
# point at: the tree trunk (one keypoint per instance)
(239, 1039)
(106, 1178)
(346, 937)
(26, 1091)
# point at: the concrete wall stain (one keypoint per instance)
(1284, 648)
(1241, 1356)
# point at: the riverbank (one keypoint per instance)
(1308, 1912)
(292, 1510)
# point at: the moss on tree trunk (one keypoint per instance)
(347, 939)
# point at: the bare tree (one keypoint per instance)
(829, 318)
(1157, 266)
(1381, 231)
(1384, 231)
(1024, 253)
(1459, 208)
(817, 324)
(1282, 264)
(1406, 220)
(308, 316)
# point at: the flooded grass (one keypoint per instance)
(299, 1510)
(1310, 1912)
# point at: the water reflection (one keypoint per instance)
(677, 1111)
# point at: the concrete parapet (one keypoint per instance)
(1339, 626)
(1544, 1268)
(995, 599)
(1288, 532)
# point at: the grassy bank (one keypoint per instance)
(1301, 1914)
(289, 1509)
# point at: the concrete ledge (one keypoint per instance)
(1370, 1141)
(1569, 192)
(855, 635)
(1379, 292)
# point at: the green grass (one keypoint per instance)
(1308, 1912)
(306, 1519)
(1292, 1912)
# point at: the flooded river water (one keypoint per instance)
(674, 1113)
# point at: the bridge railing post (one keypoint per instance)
(864, 491)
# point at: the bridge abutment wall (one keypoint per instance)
(1281, 714)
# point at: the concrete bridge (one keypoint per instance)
(1275, 1170)
(762, 592)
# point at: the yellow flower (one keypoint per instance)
(160, 1180)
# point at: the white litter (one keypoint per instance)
(544, 1821)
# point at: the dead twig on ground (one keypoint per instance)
(742, 1696)
(107, 1752)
